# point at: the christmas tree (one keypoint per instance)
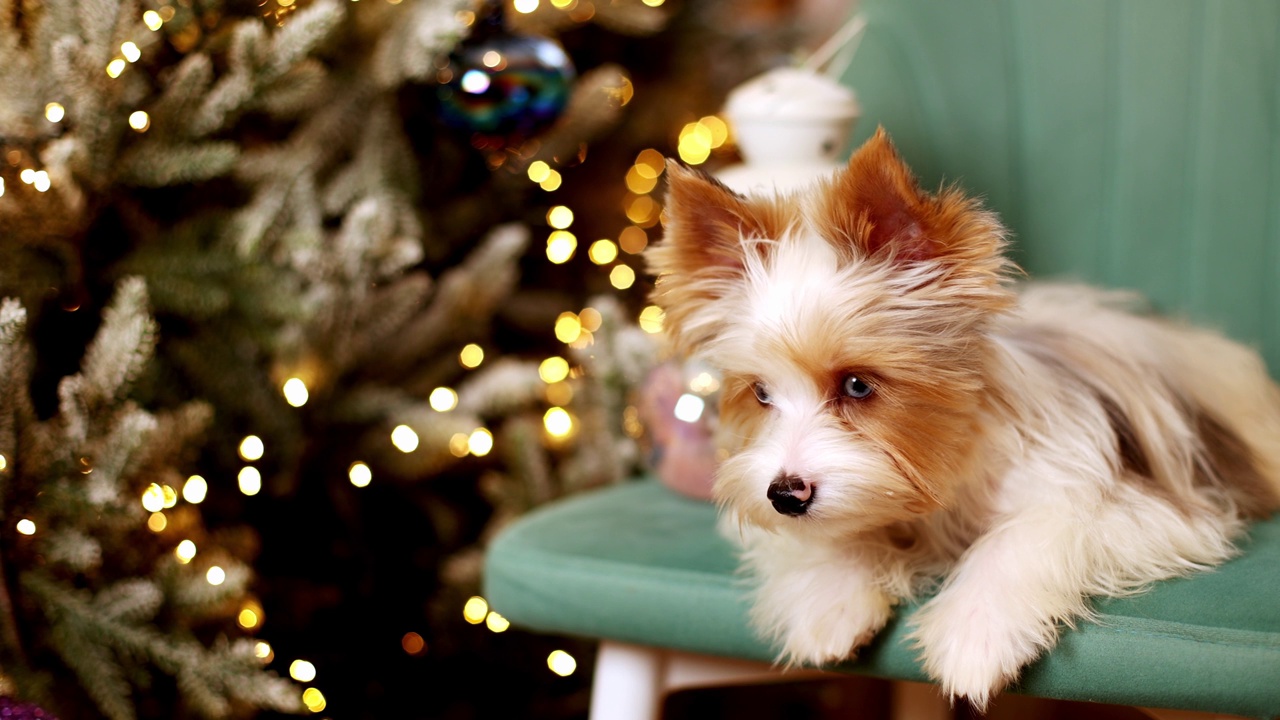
(274, 305)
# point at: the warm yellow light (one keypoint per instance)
(704, 383)
(492, 59)
(568, 327)
(139, 120)
(1, 195)
(360, 474)
(650, 163)
(642, 210)
(250, 480)
(295, 392)
(153, 498)
(560, 217)
(475, 610)
(157, 522)
(26, 526)
(27, 176)
(558, 422)
(602, 252)
(633, 239)
(562, 4)
(552, 182)
(471, 356)
(525, 6)
(496, 622)
(653, 3)
(480, 442)
(263, 651)
(413, 644)
(247, 619)
(302, 671)
(195, 490)
(622, 277)
(561, 663)
(553, 369)
(638, 182)
(40, 181)
(314, 700)
(251, 448)
(695, 143)
(170, 496)
(185, 552)
(130, 52)
(718, 128)
(651, 319)
(216, 575)
(115, 67)
(54, 112)
(591, 319)
(560, 393)
(404, 438)
(538, 170)
(458, 446)
(561, 245)
(443, 399)
(152, 20)
(3, 463)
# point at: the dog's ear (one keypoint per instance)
(875, 209)
(709, 229)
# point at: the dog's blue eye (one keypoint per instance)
(855, 388)
(761, 394)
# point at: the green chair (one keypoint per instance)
(1129, 143)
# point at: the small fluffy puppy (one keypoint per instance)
(904, 420)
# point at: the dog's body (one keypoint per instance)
(900, 415)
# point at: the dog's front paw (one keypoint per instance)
(819, 628)
(974, 647)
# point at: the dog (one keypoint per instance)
(904, 418)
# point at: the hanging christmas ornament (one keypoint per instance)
(503, 87)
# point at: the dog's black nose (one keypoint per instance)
(790, 495)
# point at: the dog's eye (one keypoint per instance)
(854, 387)
(761, 394)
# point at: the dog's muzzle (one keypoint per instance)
(790, 495)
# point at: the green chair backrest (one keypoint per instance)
(1127, 143)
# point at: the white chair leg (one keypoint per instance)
(628, 683)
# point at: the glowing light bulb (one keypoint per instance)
(41, 181)
(642, 210)
(251, 448)
(157, 522)
(633, 240)
(650, 163)
(115, 67)
(552, 182)
(139, 120)
(480, 442)
(568, 327)
(27, 176)
(26, 526)
(591, 319)
(295, 392)
(216, 575)
(185, 552)
(689, 408)
(263, 651)
(458, 445)
(561, 245)
(170, 496)
(558, 422)
(250, 480)
(247, 619)
(718, 129)
(195, 490)
(471, 356)
(314, 700)
(360, 474)
(638, 182)
(651, 319)
(54, 112)
(538, 170)
(130, 51)
(1, 195)
(474, 82)
(525, 6)
(153, 498)
(602, 252)
(622, 277)
(475, 610)
(4, 463)
(496, 622)
(561, 663)
(302, 671)
(560, 217)
(413, 643)
(553, 369)
(404, 438)
(560, 393)
(152, 20)
(491, 59)
(443, 399)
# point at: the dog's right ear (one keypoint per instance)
(702, 255)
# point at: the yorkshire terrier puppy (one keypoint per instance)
(903, 419)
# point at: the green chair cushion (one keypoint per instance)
(638, 563)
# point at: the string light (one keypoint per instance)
(480, 442)
(602, 252)
(561, 245)
(1, 195)
(4, 463)
(560, 217)
(704, 384)
(552, 182)
(650, 163)
(558, 422)
(130, 51)
(562, 4)
(314, 700)
(459, 446)
(360, 474)
(568, 327)
(157, 522)
(525, 6)
(491, 59)
(152, 20)
(27, 176)
(651, 319)
(539, 170)
(642, 210)
(404, 438)
(443, 399)
(653, 3)
(54, 112)
(591, 319)
(250, 480)
(41, 181)
(140, 120)
(413, 643)
(639, 183)
(471, 356)
(475, 610)
(295, 392)
(216, 575)
(560, 393)
(170, 496)
(251, 448)
(553, 369)
(622, 277)
(115, 67)
(561, 663)
(302, 671)
(689, 408)
(263, 651)
(153, 498)
(496, 622)
(719, 130)
(185, 552)
(195, 490)
(26, 526)
(247, 619)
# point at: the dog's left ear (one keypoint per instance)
(709, 232)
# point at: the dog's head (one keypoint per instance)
(849, 322)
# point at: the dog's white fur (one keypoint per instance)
(1080, 448)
